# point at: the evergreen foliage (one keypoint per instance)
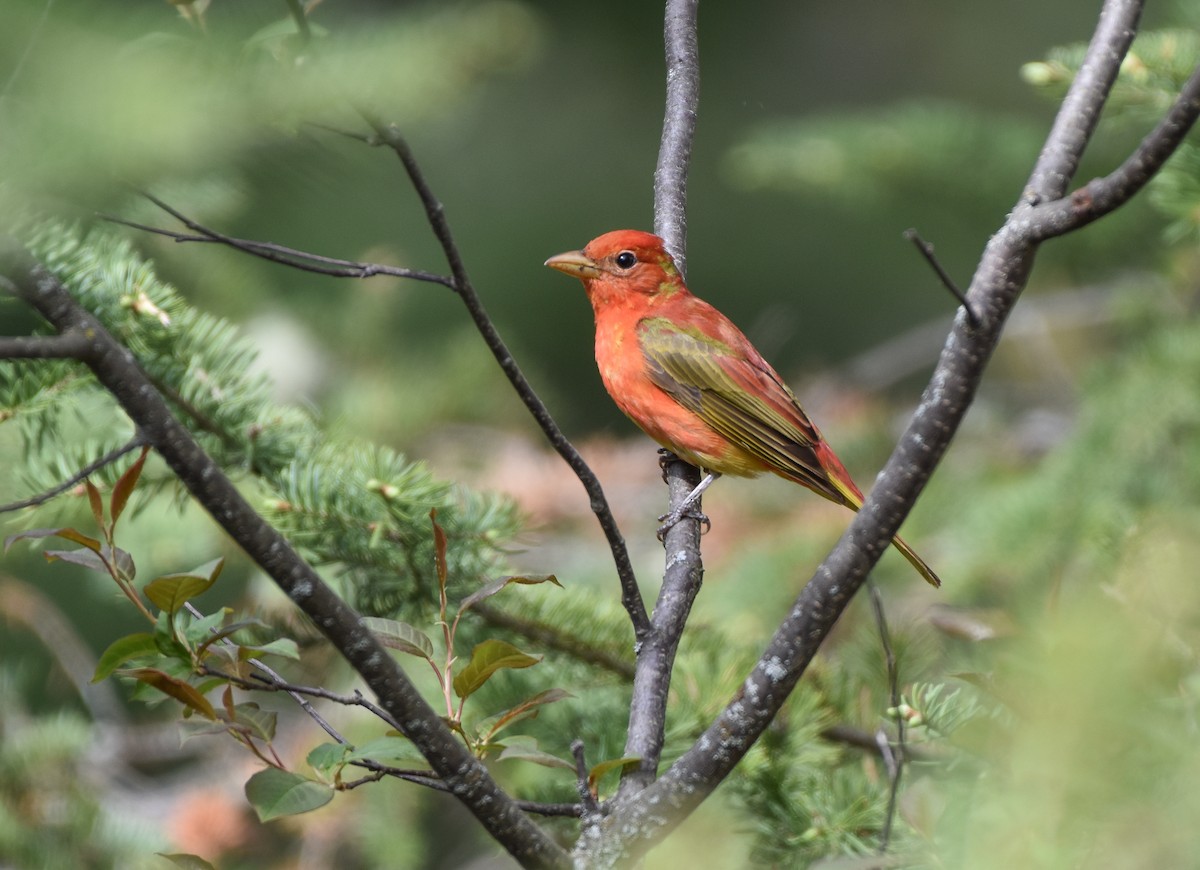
(360, 508)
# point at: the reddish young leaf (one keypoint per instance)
(400, 636)
(181, 691)
(66, 533)
(96, 503)
(125, 485)
(439, 549)
(527, 709)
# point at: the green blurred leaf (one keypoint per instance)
(527, 709)
(122, 650)
(186, 861)
(388, 750)
(327, 757)
(274, 793)
(495, 586)
(400, 636)
(171, 591)
(523, 748)
(488, 657)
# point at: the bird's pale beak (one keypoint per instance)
(575, 263)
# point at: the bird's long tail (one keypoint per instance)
(916, 561)
(852, 497)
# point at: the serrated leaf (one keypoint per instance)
(522, 748)
(181, 691)
(186, 861)
(171, 591)
(400, 636)
(488, 657)
(65, 533)
(387, 750)
(275, 793)
(527, 709)
(125, 485)
(496, 585)
(122, 650)
(598, 771)
(325, 757)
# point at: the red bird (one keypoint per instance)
(693, 382)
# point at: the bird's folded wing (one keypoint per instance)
(742, 400)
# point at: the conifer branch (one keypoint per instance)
(115, 368)
(76, 478)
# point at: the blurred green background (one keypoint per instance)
(1064, 516)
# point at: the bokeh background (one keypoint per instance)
(825, 131)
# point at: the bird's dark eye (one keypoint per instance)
(626, 259)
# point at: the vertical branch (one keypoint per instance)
(684, 569)
(679, 128)
(893, 757)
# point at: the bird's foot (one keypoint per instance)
(686, 512)
(665, 458)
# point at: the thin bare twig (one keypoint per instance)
(893, 756)
(91, 468)
(305, 261)
(926, 250)
(586, 799)
(631, 596)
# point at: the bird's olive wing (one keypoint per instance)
(746, 403)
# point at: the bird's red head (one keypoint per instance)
(616, 264)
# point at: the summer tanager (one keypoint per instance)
(693, 382)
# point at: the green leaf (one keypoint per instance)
(387, 750)
(66, 533)
(598, 772)
(186, 861)
(496, 585)
(122, 650)
(171, 591)
(327, 757)
(400, 636)
(259, 722)
(274, 793)
(181, 691)
(283, 646)
(206, 633)
(124, 486)
(525, 710)
(524, 748)
(487, 658)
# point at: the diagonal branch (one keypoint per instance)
(999, 278)
(116, 369)
(631, 596)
